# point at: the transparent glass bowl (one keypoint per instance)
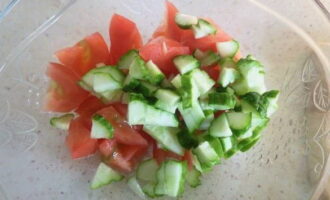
(290, 162)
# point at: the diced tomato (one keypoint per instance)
(63, 95)
(122, 157)
(121, 108)
(218, 113)
(171, 30)
(78, 140)
(161, 51)
(84, 56)
(213, 71)
(123, 133)
(124, 36)
(107, 147)
(90, 106)
(188, 157)
(160, 155)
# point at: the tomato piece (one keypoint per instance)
(121, 108)
(84, 56)
(124, 36)
(212, 71)
(78, 140)
(122, 157)
(161, 51)
(63, 95)
(160, 155)
(88, 107)
(188, 158)
(123, 132)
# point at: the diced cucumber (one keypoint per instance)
(147, 170)
(147, 89)
(105, 175)
(156, 76)
(221, 101)
(272, 97)
(111, 96)
(149, 190)
(248, 145)
(203, 28)
(167, 100)
(202, 80)
(187, 140)
(130, 84)
(189, 90)
(170, 178)
(186, 63)
(217, 146)
(229, 146)
(166, 83)
(206, 155)
(193, 116)
(220, 127)
(62, 122)
(196, 163)
(134, 185)
(101, 128)
(207, 58)
(227, 49)
(176, 81)
(239, 122)
(138, 69)
(193, 176)
(185, 21)
(140, 113)
(209, 116)
(104, 82)
(227, 63)
(228, 76)
(127, 59)
(166, 136)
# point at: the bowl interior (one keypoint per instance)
(286, 164)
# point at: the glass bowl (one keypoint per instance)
(290, 161)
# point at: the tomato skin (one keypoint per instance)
(107, 147)
(63, 89)
(121, 108)
(160, 155)
(123, 133)
(188, 158)
(88, 107)
(212, 71)
(162, 51)
(124, 36)
(84, 56)
(78, 140)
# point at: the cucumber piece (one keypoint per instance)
(138, 69)
(186, 63)
(207, 156)
(101, 128)
(239, 122)
(193, 117)
(227, 49)
(134, 185)
(130, 84)
(166, 136)
(227, 63)
(272, 97)
(229, 146)
(189, 90)
(202, 81)
(249, 145)
(149, 190)
(111, 96)
(105, 175)
(255, 103)
(217, 146)
(210, 58)
(156, 75)
(146, 89)
(104, 82)
(166, 84)
(193, 177)
(185, 21)
(203, 28)
(140, 113)
(171, 178)
(187, 140)
(228, 76)
(220, 127)
(147, 170)
(196, 163)
(209, 117)
(221, 101)
(62, 122)
(167, 100)
(127, 59)
(176, 81)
